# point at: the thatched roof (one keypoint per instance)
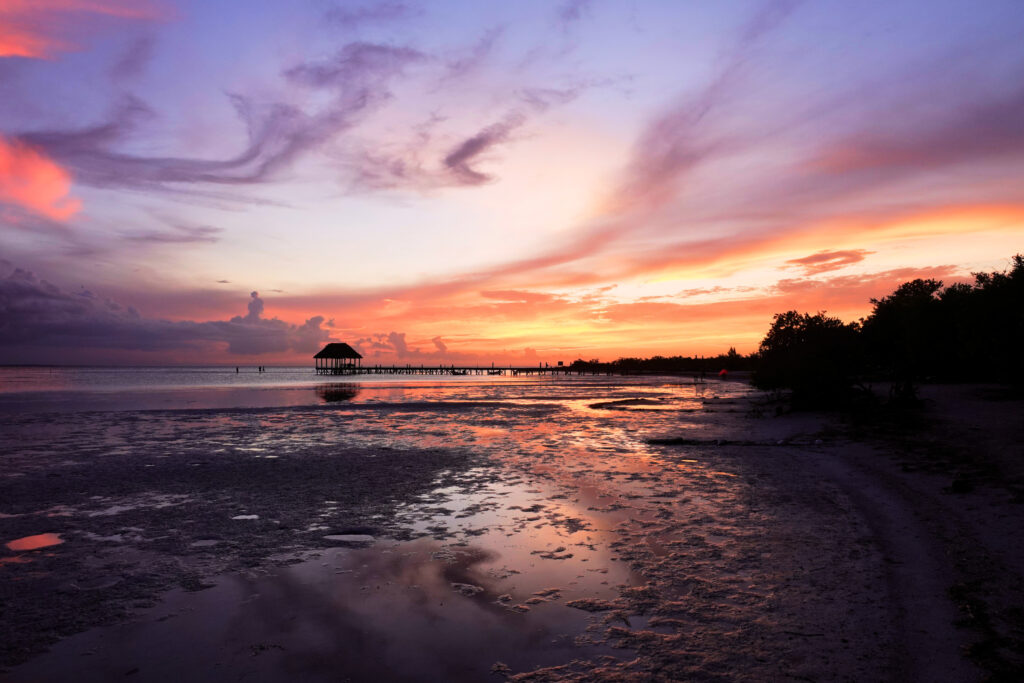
(338, 350)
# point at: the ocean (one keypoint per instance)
(62, 389)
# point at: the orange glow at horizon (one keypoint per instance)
(577, 324)
(35, 182)
(495, 318)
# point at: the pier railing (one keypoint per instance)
(454, 370)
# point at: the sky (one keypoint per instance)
(205, 181)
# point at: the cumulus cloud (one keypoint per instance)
(255, 309)
(395, 344)
(398, 344)
(36, 313)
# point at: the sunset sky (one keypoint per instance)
(208, 181)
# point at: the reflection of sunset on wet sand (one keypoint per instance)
(528, 341)
(34, 542)
(558, 503)
(576, 527)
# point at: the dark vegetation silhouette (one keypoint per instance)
(922, 331)
(668, 365)
(817, 357)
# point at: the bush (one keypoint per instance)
(815, 356)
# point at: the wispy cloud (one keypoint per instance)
(32, 180)
(176, 234)
(134, 60)
(372, 13)
(467, 60)
(278, 133)
(41, 28)
(825, 261)
(572, 11)
(460, 160)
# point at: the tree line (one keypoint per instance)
(669, 365)
(922, 331)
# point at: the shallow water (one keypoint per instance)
(561, 496)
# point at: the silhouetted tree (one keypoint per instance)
(963, 332)
(901, 334)
(816, 356)
(998, 304)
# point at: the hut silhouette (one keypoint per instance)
(337, 358)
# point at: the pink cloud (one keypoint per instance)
(40, 28)
(33, 181)
(825, 261)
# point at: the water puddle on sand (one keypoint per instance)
(490, 583)
(522, 562)
(418, 610)
(34, 542)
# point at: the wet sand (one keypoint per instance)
(547, 531)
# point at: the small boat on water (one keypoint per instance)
(460, 372)
(494, 372)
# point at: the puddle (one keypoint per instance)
(514, 556)
(350, 538)
(397, 611)
(35, 542)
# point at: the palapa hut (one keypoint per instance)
(337, 358)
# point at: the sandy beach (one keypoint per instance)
(568, 530)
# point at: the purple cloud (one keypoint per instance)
(459, 161)
(383, 12)
(278, 133)
(37, 314)
(177, 234)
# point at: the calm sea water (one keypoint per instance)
(62, 389)
(562, 496)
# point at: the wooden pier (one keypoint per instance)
(338, 358)
(452, 370)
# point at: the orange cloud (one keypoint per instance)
(36, 28)
(35, 182)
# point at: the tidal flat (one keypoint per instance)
(575, 529)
